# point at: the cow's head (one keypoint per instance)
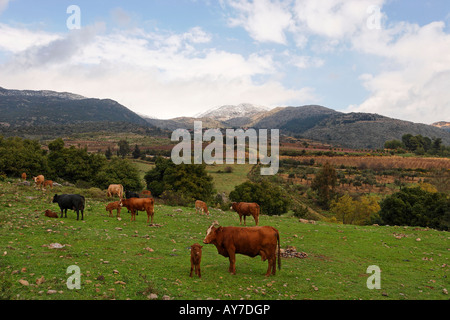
(211, 233)
(234, 206)
(120, 203)
(55, 198)
(196, 249)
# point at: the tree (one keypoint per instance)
(272, 199)
(324, 184)
(136, 152)
(108, 153)
(416, 207)
(393, 144)
(124, 148)
(355, 211)
(187, 181)
(19, 155)
(118, 171)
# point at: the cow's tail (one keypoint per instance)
(279, 252)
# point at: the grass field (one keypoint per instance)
(132, 260)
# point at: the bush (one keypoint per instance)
(416, 207)
(272, 199)
(118, 171)
(301, 211)
(190, 182)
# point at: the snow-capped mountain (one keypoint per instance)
(41, 93)
(228, 112)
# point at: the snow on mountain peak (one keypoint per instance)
(227, 112)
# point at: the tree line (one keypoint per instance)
(74, 165)
(419, 145)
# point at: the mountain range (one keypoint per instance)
(353, 130)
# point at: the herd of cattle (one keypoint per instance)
(229, 241)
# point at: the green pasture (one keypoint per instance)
(119, 259)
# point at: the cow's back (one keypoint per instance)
(141, 204)
(250, 240)
(71, 201)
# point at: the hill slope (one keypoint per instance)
(352, 130)
(32, 108)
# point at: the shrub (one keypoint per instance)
(272, 199)
(416, 207)
(191, 182)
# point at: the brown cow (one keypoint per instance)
(113, 206)
(39, 180)
(51, 214)
(246, 209)
(145, 194)
(115, 189)
(24, 176)
(48, 183)
(252, 241)
(138, 204)
(196, 259)
(200, 206)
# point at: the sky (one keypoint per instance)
(171, 58)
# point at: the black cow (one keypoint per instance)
(131, 194)
(73, 202)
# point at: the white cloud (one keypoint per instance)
(413, 79)
(16, 40)
(160, 74)
(264, 20)
(334, 19)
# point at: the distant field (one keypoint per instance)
(225, 182)
(131, 260)
(384, 162)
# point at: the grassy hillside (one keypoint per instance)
(132, 260)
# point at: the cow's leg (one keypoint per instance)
(82, 214)
(62, 213)
(256, 219)
(192, 269)
(132, 214)
(197, 270)
(245, 222)
(232, 258)
(269, 269)
(240, 219)
(78, 214)
(274, 264)
(65, 213)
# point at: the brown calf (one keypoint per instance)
(113, 206)
(200, 206)
(48, 183)
(39, 180)
(51, 214)
(196, 258)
